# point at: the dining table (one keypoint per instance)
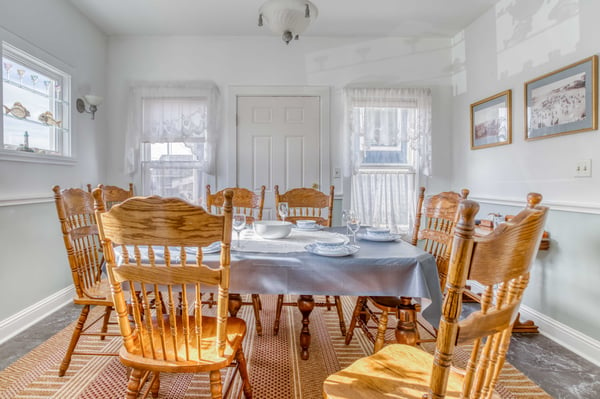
(372, 268)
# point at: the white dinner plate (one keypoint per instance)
(211, 249)
(344, 250)
(316, 228)
(382, 238)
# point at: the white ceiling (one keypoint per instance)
(341, 18)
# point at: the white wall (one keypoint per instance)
(258, 61)
(509, 45)
(33, 262)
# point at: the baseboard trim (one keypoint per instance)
(577, 342)
(22, 320)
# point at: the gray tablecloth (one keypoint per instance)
(379, 268)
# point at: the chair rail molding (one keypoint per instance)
(564, 206)
(27, 317)
(26, 200)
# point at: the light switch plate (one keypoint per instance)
(583, 168)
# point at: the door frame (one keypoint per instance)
(323, 92)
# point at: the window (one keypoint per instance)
(35, 97)
(383, 134)
(171, 126)
(388, 147)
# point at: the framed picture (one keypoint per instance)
(562, 102)
(491, 121)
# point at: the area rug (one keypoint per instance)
(274, 363)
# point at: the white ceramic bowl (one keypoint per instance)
(378, 231)
(272, 229)
(306, 224)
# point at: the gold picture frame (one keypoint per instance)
(564, 101)
(491, 121)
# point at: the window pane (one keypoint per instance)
(383, 134)
(171, 179)
(36, 106)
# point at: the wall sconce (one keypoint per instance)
(92, 100)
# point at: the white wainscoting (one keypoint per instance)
(27, 317)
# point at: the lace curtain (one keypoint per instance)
(384, 184)
(162, 112)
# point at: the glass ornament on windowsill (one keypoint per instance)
(25, 146)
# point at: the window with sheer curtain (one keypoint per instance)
(388, 137)
(171, 135)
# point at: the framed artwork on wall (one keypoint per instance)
(564, 101)
(491, 121)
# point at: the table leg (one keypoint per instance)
(406, 330)
(306, 304)
(235, 303)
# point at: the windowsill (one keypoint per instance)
(20, 156)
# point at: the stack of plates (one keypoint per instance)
(376, 234)
(340, 250)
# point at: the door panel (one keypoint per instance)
(277, 143)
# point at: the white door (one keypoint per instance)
(278, 144)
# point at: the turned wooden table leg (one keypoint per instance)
(235, 303)
(306, 304)
(406, 330)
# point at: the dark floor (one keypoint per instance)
(560, 372)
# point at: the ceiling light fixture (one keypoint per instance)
(289, 18)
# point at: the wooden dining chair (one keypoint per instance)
(160, 333)
(75, 209)
(114, 194)
(250, 204)
(308, 204)
(501, 262)
(245, 201)
(439, 214)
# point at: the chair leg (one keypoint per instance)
(104, 329)
(327, 303)
(381, 329)
(74, 339)
(340, 312)
(278, 314)
(243, 370)
(155, 385)
(216, 387)
(360, 302)
(133, 385)
(256, 305)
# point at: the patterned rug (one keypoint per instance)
(275, 367)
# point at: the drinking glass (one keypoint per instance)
(21, 73)
(7, 68)
(283, 210)
(353, 224)
(239, 224)
(345, 220)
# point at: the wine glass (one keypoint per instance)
(353, 224)
(283, 210)
(34, 79)
(345, 220)
(21, 73)
(239, 224)
(7, 68)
